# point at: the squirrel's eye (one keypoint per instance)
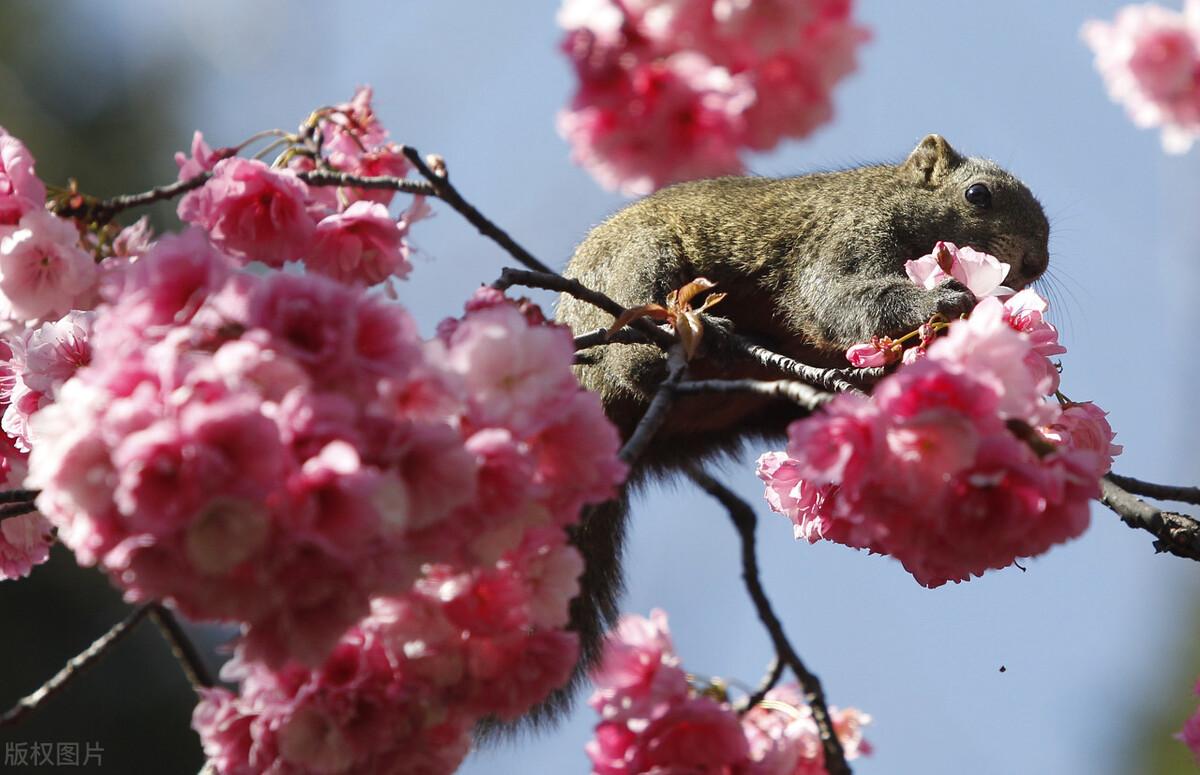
(979, 195)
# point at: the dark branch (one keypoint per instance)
(77, 665)
(837, 380)
(549, 281)
(744, 520)
(1177, 534)
(182, 647)
(1162, 492)
(601, 337)
(102, 211)
(18, 496)
(443, 190)
(331, 178)
(660, 406)
(801, 393)
(774, 673)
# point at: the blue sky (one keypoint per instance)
(480, 83)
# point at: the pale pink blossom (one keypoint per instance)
(363, 244)
(784, 739)
(43, 269)
(21, 190)
(1149, 58)
(1083, 426)
(981, 273)
(42, 360)
(24, 542)
(252, 212)
(872, 354)
(639, 674)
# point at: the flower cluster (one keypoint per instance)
(256, 212)
(44, 270)
(956, 464)
(675, 89)
(653, 719)
(1190, 734)
(1149, 57)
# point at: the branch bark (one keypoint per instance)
(660, 405)
(1176, 534)
(801, 393)
(1162, 492)
(745, 521)
(74, 667)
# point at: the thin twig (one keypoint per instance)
(549, 281)
(331, 178)
(449, 194)
(799, 392)
(1177, 534)
(74, 667)
(18, 496)
(601, 337)
(1162, 492)
(656, 412)
(773, 674)
(102, 211)
(814, 695)
(182, 647)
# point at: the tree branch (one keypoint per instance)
(74, 667)
(774, 673)
(17, 509)
(1162, 492)
(814, 695)
(182, 647)
(801, 393)
(660, 405)
(601, 337)
(836, 380)
(333, 178)
(550, 281)
(101, 211)
(1177, 534)
(18, 496)
(443, 190)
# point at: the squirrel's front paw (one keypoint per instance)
(950, 299)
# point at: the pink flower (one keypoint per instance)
(43, 359)
(252, 212)
(638, 675)
(1083, 427)
(698, 734)
(21, 190)
(675, 89)
(1149, 57)
(43, 270)
(981, 273)
(836, 446)
(363, 244)
(1190, 734)
(872, 354)
(24, 542)
(203, 158)
(658, 123)
(783, 736)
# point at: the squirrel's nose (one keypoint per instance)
(1033, 264)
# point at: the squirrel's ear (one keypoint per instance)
(932, 159)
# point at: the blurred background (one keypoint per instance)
(1084, 663)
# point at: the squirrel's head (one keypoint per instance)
(980, 205)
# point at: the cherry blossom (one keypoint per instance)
(21, 190)
(43, 270)
(1149, 58)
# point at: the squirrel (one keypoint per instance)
(810, 265)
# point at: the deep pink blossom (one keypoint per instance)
(784, 739)
(44, 271)
(252, 212)
(203, 158)
(1190, 734)
(21, 190)
(1084, 427)
(42, 360)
